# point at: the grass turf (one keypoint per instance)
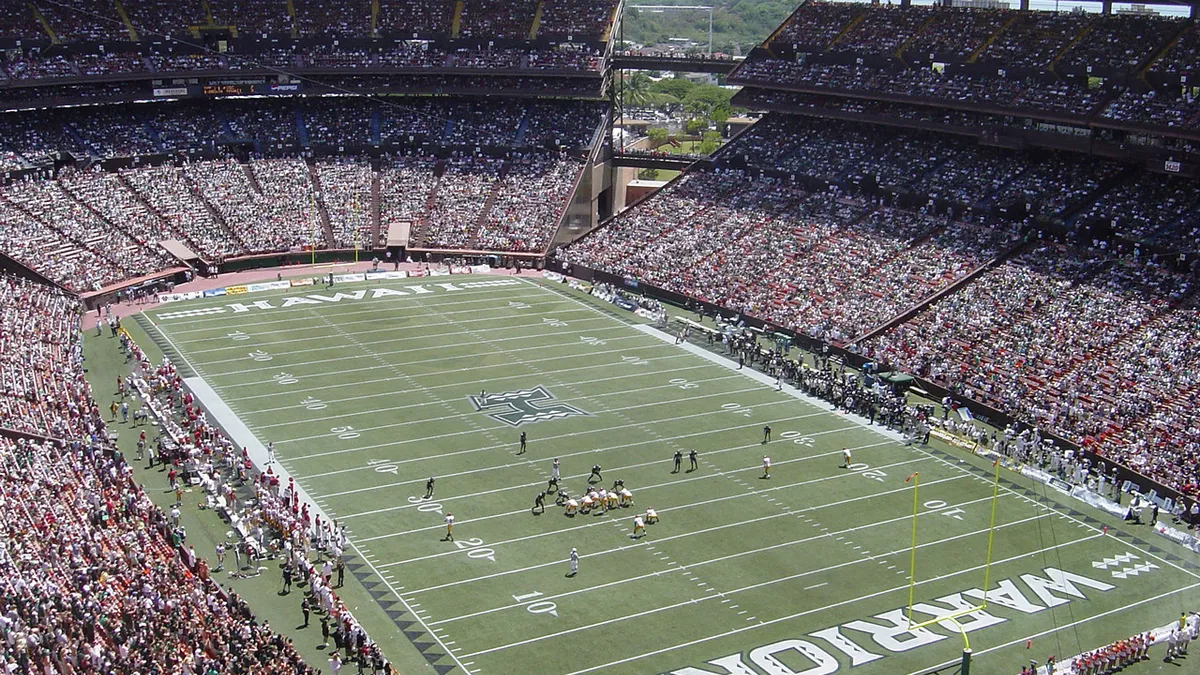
(365, 397)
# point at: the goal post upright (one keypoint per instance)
(952, 617)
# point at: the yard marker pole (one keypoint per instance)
(987, 567)
(912, 559)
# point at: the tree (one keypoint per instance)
(709, 143)
(696, 125)
(657, 135)
(678, 87)
(710, 101)
(648, 174)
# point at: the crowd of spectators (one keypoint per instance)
(1023, 56)
(96, 578)
(829, 264)
(406, 184)
(1012, 93)
(172, 196)
(529, 203)
(1161, 209)
(457, 207)
(939, 166)
(74, 230)
(98, 20)
(577, 19)
(346, 191)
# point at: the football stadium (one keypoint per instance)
(584, 336)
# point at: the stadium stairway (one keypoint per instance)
(1083, 33)
(448, 130)
(992, 38)
(250, 177)
(945, 292)
(376, 128)
(376, 218)
(488, 204)
(301, 129)
(291, 14)
(456, 21)
(1162, 51)
(908, 40)
(322, 209)
(41, 19)
(1070, 213)
(375, 18)
(133, 34)
(212, 211)
(522, 128)
(537, 20)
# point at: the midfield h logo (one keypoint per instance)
(525, 406)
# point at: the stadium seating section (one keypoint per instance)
(1116, 69)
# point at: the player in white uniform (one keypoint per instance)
(766, 467)
(639, 527)
(651, 516)
(574, 563)
(846, 458)
(449, 527)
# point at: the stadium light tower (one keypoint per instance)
(671, 8)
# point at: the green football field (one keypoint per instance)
(369, 389)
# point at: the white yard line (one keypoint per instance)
(360, 383)
(354, 310)
(689, 505)
(469, 369)
(473, 495)
(684, 535)
(308, 328)
(574, 434)
(376, 411)
(458, 341)
(458, 385)
(790, 617)
(702, 563)
(418, 362)
(498, 427)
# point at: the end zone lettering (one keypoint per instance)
(362, 294)
(814, 654)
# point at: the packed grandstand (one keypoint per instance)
(1000, 202)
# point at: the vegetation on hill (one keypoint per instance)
(738, 25)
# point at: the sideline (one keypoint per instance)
(211, 401)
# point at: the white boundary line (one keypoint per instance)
(376, 411)
(242, 435)
(823, 535)
(606, 521)
(868, 596)
(354, 310)
(467, 412)
(360, 383)
(442, 372)
(401, 364)
(576, 476)
(683, 535)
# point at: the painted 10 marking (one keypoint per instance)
(540, 607)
